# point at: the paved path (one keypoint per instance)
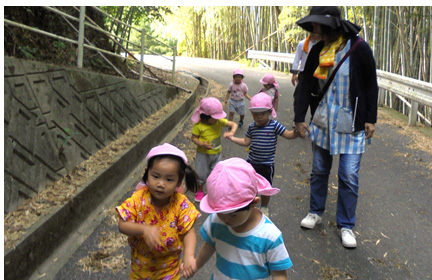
(394, 217)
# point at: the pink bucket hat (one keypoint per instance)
(261, 102)
(232, 185)
(166, 149)
(269, 79)
(209, 106)
(238, 72)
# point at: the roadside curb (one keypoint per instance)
(43, 238)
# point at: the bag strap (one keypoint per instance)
(329, 81)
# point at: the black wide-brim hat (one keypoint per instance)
(329, 16)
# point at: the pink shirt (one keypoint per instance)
(236, 91)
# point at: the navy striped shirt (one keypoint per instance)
(263, 142)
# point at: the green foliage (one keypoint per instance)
(28, 51)
(141, 14)
(67, 135)
(148, 18)
(246, 62)
(59, 45)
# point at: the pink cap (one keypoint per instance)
(209, 106)
(269, 79)
(167, 149)
(232, 185)
(261, 102)
(238, 72)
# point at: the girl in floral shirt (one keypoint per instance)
(159, 220)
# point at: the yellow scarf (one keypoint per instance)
(327, 58)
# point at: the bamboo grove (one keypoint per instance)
(401, 37)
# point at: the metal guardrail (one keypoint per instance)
(274, 56)
(418, 92)
(81, 38)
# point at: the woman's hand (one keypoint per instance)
(303, 129)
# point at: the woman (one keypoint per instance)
(345, 116)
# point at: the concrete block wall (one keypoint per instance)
(54, 118)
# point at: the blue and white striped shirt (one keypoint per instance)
(337, 97)
(263, 142)
(249, 255)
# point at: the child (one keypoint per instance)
(160, 221)
(237, 91)
(247, 244)
(207, 135)
(271, 88)
(261, 137)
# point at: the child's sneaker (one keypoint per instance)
(199, 196)
(240, 124)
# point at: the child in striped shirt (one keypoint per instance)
(235, 225)
(261, 137)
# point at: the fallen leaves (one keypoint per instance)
(100, 260)
(420, 141)
(108, 257)
(333, 273)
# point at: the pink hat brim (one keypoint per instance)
(262, 109)
(264, 188)
(205, 206)
(167, 149)
(219, 116)
(197, 115)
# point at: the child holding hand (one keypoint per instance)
(237, 91)
(209, 119)
(271, 88)
(248, 245)
(159, 220)
(261, 138)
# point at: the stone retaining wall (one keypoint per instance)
(54, 118)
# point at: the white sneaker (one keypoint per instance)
(311, 220)
(265, 211)
(348, 238)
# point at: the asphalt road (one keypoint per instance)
(394, 216)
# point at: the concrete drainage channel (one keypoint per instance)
(47, 245)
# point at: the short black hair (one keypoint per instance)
(247, 207)
(205, 117)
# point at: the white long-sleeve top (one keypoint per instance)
(301, 56)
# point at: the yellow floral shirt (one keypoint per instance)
(174, 221)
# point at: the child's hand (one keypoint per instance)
(207, 145)
(188, 267)
(152, 237)
(228, 134)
